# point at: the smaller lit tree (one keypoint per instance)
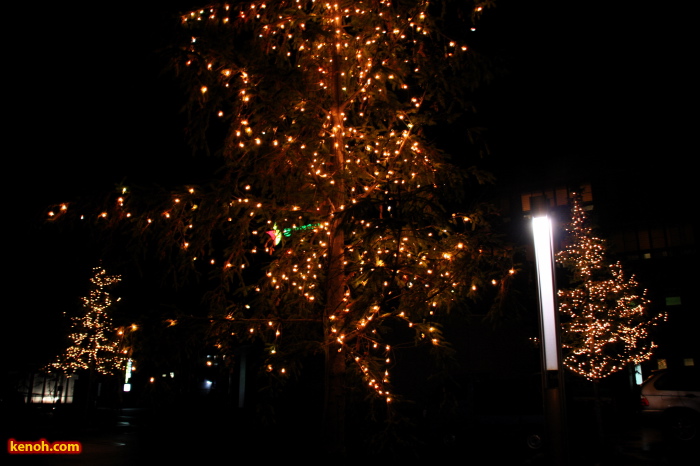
(605, 318)
(93, 345)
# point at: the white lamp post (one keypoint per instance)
(544, 259)
(552, 380)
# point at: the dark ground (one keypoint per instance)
(201, 435)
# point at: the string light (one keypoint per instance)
(335, 183)
(605, 319)
(93, 343)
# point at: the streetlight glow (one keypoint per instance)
(552, 378)
(544, 258)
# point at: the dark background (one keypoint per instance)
(584, 86)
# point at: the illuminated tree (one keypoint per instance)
(94, 345)
(328, 208)
(605, 317)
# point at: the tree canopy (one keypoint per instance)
(94, 344)
(335, 218)
(605, 316)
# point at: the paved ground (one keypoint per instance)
(133, 437)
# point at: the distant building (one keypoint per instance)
(41, 388)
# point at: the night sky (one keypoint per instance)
(600, 86)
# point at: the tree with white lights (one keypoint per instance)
(605, 317)
(93, 342)
(327, 217)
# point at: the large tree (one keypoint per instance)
(605, 315)
(325, 227)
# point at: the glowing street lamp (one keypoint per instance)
(552, 377)
(544, 259)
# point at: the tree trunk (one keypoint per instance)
(335, 365)
(598, 409)
(336, 281)
(334, 415)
